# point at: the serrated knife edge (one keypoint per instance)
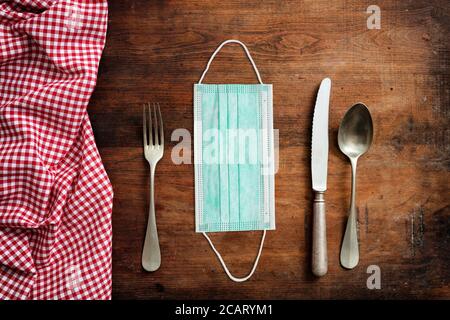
(319, 140)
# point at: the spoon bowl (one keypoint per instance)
(356, 131)
(354, 138)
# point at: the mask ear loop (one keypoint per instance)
(217, 51)
(222, 262)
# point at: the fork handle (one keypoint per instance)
(319, 250)
(151, 255)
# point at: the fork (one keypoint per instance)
(153, 151)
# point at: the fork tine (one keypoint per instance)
(156, 125)
(144, 127)
(161, 126)
(150, 131)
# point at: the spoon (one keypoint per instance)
(354, 139)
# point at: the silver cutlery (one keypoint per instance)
(354, 139)
(153, 151)
(319, 166)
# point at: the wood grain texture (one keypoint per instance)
(157, 50)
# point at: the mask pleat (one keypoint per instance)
(233, 172)
(249, 166)
(223, 151)
(211, 185)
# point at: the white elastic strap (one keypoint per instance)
(255, 264)
(220, 47)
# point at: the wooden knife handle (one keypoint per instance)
(319, 249)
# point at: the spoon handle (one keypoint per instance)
(350, 250)
(319, 250)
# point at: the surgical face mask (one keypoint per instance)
(234, 158)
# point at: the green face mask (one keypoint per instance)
(234, 158)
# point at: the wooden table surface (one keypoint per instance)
(157, 50)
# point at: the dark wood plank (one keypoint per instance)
(157, 50)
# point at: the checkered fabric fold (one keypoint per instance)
(55, 196)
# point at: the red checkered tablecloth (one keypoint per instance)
(55, 196)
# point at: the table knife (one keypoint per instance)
(319, 164)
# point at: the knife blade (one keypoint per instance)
(319, 168)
